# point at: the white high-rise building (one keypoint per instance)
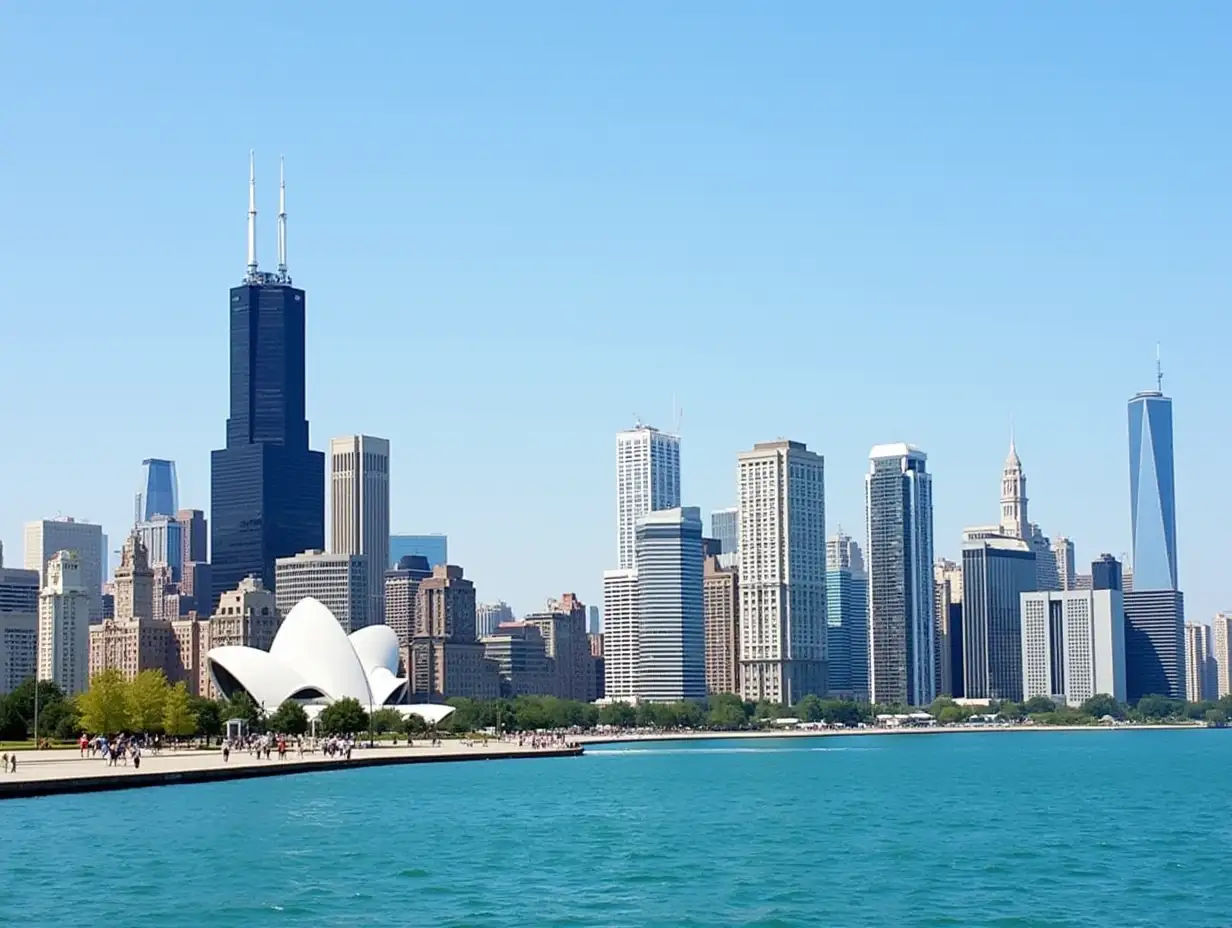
(359, 501)
(671, 623)
(1200, 681)
(901, 640)
(1014, 522)
(64, 625)
(19, 593)
(1063, 557)
(46, 537)
(1221, 653)
(489, 615)
(782, 558)
(338, 581)
(1073, 645)
(620, 635)
(647, 479)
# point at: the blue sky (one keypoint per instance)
(519, 225)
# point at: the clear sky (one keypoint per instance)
(519, 225)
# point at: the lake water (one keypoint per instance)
(1093, 829)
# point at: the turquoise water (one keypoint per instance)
(1094, 829)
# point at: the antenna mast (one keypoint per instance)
(1159, 370)
(282, 223)
(252, 214)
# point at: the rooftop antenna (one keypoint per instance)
(252, 214)
(1159, 370)
(282, 221)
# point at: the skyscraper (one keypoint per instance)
(1073, 645)
(159, 493)
(1152, 496)
(194, 536)
(163, 538)
(444, 659)
(721, 604)
(402, 594)
(594, 624)
(267, 487)
(1221, 653)
(725, 526)
(899, 509)
(948, 616)
(647, 479)
(1200, 674)
(620, 634)
(433, 547)
(341, 582)
(1154, 644)
(64, 625)
(490, 615)
(43, 539)
(19, 615)
(671, 626)
(1106, 574)
(359, 494)
(783, 621)
(847, 618)
(133, 640)
(996, 572)
(1063, 557)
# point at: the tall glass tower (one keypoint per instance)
(1152, 496)
(267, 487)
(159, 494)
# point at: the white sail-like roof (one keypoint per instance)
(312, 658)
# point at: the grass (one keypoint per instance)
(29, 745)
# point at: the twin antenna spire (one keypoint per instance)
(254, 275)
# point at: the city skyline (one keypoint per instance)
(671, 272)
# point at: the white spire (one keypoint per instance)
(252, 214)
(1159, 370)
(282, 221)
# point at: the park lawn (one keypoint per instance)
(29, 745)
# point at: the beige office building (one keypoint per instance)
(246, 617)
(721, 608)
(1200, 681)
(359, 504)
(64, 625)
(338, 581)
(1221, 653)
(47, 536)
(133, 640)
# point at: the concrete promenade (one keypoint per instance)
(43, 773)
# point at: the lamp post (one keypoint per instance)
(36, 708)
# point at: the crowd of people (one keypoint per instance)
(263, 747)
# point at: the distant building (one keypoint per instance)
(64, 625)
(947, 614)
(1221, 653)
(163, 538)
(1073, 645)
(899, 507)
(246, 617)
(45, 538)
(1063, 557)
(490, 615)
(159, 493)
(359, 495)
(520, 655)
(1152, 491)
(1155, 644)
(433, 547)
(725, 526)
(402, 594)
(1200, 674)
(647, 480)
(563, 628)
(783, 621)
(1106, 574)
(996, 572)
(190, 642)
(721, 605)
(340, 582)
(847, 611)
(197, 586)
(595, 624)
(19, 619)
(596, 657)
(194, 535)
(444, 658)
(621, 634)
(133, 640)
(671, 627)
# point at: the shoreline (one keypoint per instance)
(52, 776)
(628, 738)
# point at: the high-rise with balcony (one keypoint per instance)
(267, 486)
(1221, 653)
(899, 555)
(847, 617)
(783, 621)
(359, 503)
(45, 538)
(159, 493)
(647, 479)
(64, 625)
(996, 572)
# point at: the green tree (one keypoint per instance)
(952, 714)
(726, 712)
(17, 721)
(1008, 709)
(1216, 718)
(1102, 704)
(209, 716)
(242, 706)
(179, 719)
(104, 706)
(386, 719)
(766, 711)
(618, 715)
(844, 712)
(808, 709)
(147, 697)
(1157, 708)
(1038, 704)
(414, 725)
(344, 717)
(290, 718)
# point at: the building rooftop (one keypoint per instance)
(896, 450)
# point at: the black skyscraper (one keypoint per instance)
(267, 487)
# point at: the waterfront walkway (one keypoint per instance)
(42, 773)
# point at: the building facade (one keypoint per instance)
(339, 581)
(359, 503)
(671, 625)
(163, 538)
(433, 547)
(899, 510)
(44, 538)
(19, 621)
(621, 653)
(783, 621)
(520, 654)
(1063, 557)
(721, 606)
(194, 535)
(725, 526)
(1200, 674)
(1152, 494)
(563, 628)
(1155, 644)
(996, 572)
(246, 617)
(402, 594)
(64, 625)
(444, 658)
(847, 618)
(1221, 653)
(947, 613)
(159, 492)
(133, 640)
(647, 479)
(490, 615)
(1073, 645)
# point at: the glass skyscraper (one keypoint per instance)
(1152, 496)
(159, 492)
(996, 572)
(434, 547)
(846, 618)
(267, 487)
(725, 526)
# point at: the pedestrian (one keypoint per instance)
(136, 758)
(13, 761)
(4, 761)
